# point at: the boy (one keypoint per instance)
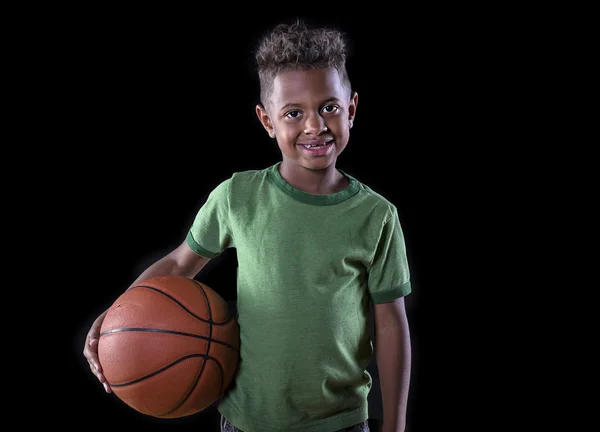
(314, 247)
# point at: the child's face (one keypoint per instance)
(309, 108)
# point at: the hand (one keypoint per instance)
(90, 351)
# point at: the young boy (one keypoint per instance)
(314, 247)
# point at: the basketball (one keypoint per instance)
(169, 346)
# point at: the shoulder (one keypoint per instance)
(376, 202)
(248, 175)
(245, 181)
(239, 178)
(242, 183)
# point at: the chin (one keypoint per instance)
(318, 165)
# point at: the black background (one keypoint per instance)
(161, 109)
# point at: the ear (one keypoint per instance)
(265, 119)
(352, 109)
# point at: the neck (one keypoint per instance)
(320, 182)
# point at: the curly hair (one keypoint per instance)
(292, 47)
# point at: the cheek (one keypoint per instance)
(288, 133)
(341, 129)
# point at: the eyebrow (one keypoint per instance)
(293, 105)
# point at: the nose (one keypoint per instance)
(314, 125)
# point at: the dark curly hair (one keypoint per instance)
(291, 47)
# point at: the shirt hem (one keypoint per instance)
(391, 295)
(199, 250)
(335, 423)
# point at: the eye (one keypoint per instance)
(293, 114)
(330, 108)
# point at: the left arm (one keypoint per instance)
(393, 352)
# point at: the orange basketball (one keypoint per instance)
(169, 346)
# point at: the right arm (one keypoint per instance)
(182, 261)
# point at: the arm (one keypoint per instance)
(182, 261)
(393, 352)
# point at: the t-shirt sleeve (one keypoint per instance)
(389, 275)
(210, 233)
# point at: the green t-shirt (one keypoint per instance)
(308, 266)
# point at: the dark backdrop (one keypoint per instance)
(162, 111)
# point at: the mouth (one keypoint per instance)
(318, 148)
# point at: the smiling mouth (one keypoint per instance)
(318, 149)
(317, 146)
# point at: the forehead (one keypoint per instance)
(301, 86)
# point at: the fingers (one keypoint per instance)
(90, 352)
(101, 378)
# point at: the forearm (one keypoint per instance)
(163, 267)
(393, 352)
(166, 266)
(169, 265)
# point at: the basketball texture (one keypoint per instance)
(169, 346)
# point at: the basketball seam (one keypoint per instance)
(210, 330)
(209, 321)
(152, 330)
